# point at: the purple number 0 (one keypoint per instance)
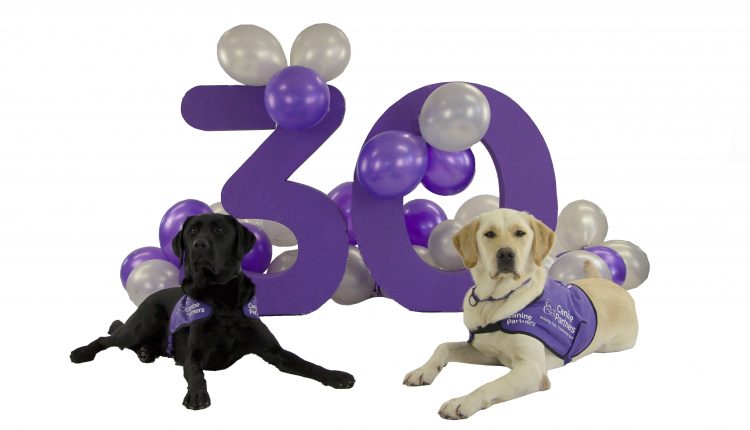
(526, 182)
(260, 189)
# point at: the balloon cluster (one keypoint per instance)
(581, 230)
(453, 118)
(151, 268)
(296, 97)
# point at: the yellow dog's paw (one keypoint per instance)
(422, 376)
(460, 408)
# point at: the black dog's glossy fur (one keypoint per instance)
(211, 247)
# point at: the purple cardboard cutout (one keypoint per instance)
(226, 107)
(260, 189)
(526, 180)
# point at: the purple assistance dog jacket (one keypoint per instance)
(562, 318)
(188, 310)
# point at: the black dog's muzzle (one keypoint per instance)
(202, 255)
(201, 244)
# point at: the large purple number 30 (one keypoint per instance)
(260, 189)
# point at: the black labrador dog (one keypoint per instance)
(211, 321)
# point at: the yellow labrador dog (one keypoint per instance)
(504, 250)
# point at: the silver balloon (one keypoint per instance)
(557, 249)
(548, 262)
(250, 54)
(279, 234)
(581, 224)
(357, 284)
(218, 208)
(454, 117)
(150, 277)
(552, 256)
(424, 254)
(440, 245)
(636, 262)
(476, 206)
(323, 48)
(572, 266)
(283, 262)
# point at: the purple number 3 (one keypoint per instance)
(260, 189)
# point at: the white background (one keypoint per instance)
(644, 106)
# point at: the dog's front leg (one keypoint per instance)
(527, 375)
(288, 362)
(197, 393)
(462, 352)
(269, 349)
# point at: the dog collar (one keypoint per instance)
(477, 300)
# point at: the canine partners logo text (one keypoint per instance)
(562, 317)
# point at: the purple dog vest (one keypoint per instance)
(188, 310)
(562, 318)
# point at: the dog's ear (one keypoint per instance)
(178, 243)
(544, 238)
(245, 239)
(465, 242)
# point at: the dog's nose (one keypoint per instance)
(505, 255)
(201, 244)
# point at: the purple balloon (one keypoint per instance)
(392, 163)
(137, 257)
(296, 98)
(259, 257)
(448, 173)
(614, 261)
(171, 224)
(342, 196)
(421, 217)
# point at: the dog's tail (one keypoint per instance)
(590, 270)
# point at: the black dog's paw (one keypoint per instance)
(146, 354)
(196, 399)
(338, 379)
(116, 324)
(82, 354)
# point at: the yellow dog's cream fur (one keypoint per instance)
(527, 358)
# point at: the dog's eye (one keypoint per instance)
(220, 229)
(192, 230)
(520, 233)
(490, 234)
